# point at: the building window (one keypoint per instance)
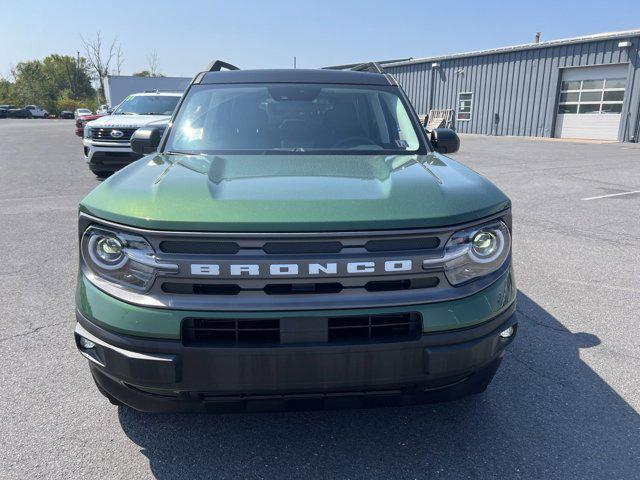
(465, 106)
(603, 95)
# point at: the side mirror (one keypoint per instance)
(145, 140)
(445, 140)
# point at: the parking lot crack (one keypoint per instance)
(540, 373)
(542, 324)
(30, 332)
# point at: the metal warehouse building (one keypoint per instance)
(584, 87)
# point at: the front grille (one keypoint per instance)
(298, 272)
(361, 329)
(375, 328)
(323, 276)
(230, 332)
(104, 134)
(309, 288)
(415, 243)
(203, 247)
(199, 248)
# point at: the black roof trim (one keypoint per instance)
(218, 65)
(294, 76)
(348, 66)
(372, 67)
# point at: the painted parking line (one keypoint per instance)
(612, 195)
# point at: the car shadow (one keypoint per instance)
(547, 414)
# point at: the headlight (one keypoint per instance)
(121, 258)
(87, 131)
(475, 252)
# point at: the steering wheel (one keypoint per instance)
(355, 141)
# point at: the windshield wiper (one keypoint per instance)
(126, 113)
(177, 152)
(286, 149)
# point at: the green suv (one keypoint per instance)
(294, 239)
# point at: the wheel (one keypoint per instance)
(29, 115)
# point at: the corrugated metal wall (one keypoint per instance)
(119, 86)
(521, 87)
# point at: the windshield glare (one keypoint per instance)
(294, 118)
(148, 105)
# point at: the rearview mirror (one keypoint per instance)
(145, 140)
(445, 140)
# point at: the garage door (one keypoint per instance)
(590, 103)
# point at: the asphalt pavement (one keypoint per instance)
(565, 403)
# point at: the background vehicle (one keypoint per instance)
(82, 121)
(81, 112)
(103, 110)
(106, 141)
(37, 112)
(119, 87)
(17, 112)
(4, 112)
(294, 239)
(66, 114)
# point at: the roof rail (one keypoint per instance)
(218, 65)
(373, 67)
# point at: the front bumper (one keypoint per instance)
(165, 375)
(108, 157)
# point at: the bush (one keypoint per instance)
(65, 102)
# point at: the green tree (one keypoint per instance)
(147, 73)
(45, 82)
(6, 92)
(66, 102)
(65, 72)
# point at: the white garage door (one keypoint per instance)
(590, 103)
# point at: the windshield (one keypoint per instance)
(147, 105)
(293, 118)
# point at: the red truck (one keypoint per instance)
(82, 121)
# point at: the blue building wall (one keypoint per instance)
(521, 86)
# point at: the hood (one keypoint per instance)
(89, 117)
(289, 193)
(127, 121)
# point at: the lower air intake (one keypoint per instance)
(360, 329)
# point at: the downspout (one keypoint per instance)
(431, 87)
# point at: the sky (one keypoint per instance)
(188, 34)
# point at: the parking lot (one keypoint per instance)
(565, 403)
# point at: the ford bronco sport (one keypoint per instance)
(294, 239)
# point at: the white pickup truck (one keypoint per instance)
(37, 112)
(106, 140)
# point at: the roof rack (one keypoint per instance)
(218, 65)
(373, 67)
